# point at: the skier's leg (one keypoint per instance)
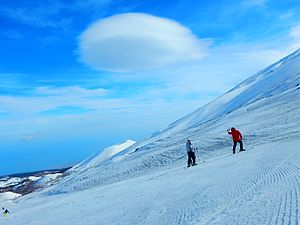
(189, 159)
(234, 147)
(241, 145)
(194, 158)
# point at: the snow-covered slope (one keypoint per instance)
(276, 79)
(103, 156)
(26, 183)
(93, 170)
(8, 196)
(5, 182)
(259, 187)
(265, 107)
(147, 182)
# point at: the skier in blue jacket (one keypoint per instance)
(191, 154)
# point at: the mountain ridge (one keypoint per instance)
(257, 106)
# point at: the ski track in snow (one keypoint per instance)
(259, 187)
(265, 179)
(248, 200)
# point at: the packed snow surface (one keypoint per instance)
(44, 180)
(34, 178)
(148, 182)
(6, 196)
(104, 155)
(260, 186)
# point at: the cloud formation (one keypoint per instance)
(136, 41)
(295, 32)
(294, 37)
(69, 91)
(33, 12)
(30, 137)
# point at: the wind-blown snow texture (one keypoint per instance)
(147, 183)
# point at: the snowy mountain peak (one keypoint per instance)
(104, 155)
(275, 79)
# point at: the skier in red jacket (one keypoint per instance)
(237, 138)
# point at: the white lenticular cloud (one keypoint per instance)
(136, 41)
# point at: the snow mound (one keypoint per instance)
(8, 196)
(43, 181)
(86, 173)
(34, 178)
(106, 154)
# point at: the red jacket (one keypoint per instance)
(236, 134)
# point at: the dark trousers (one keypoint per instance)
(191, 158)
(234, 146)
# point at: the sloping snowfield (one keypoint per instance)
(260, 186)
(148, 182)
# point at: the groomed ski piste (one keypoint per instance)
(148, 182)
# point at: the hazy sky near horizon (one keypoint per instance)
(78, 76)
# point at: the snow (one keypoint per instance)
(34, 178)
(5, 182)
(259, 186)
(148, 182)
(275, 79)
(43, 181)
(8, 196)
(111, 151)
(104, 155)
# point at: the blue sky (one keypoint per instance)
(78, 76)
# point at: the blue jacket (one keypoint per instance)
(188, 147)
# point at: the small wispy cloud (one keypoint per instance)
(65, 110)
(137, 41)
(46, 14)
(294, 36)
(33, 14)
(53, 100)
(70, 91)
(30, 137)
(295, 32)
(3, 113)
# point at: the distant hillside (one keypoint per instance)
(25, 183)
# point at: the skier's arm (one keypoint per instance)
(241, 135)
